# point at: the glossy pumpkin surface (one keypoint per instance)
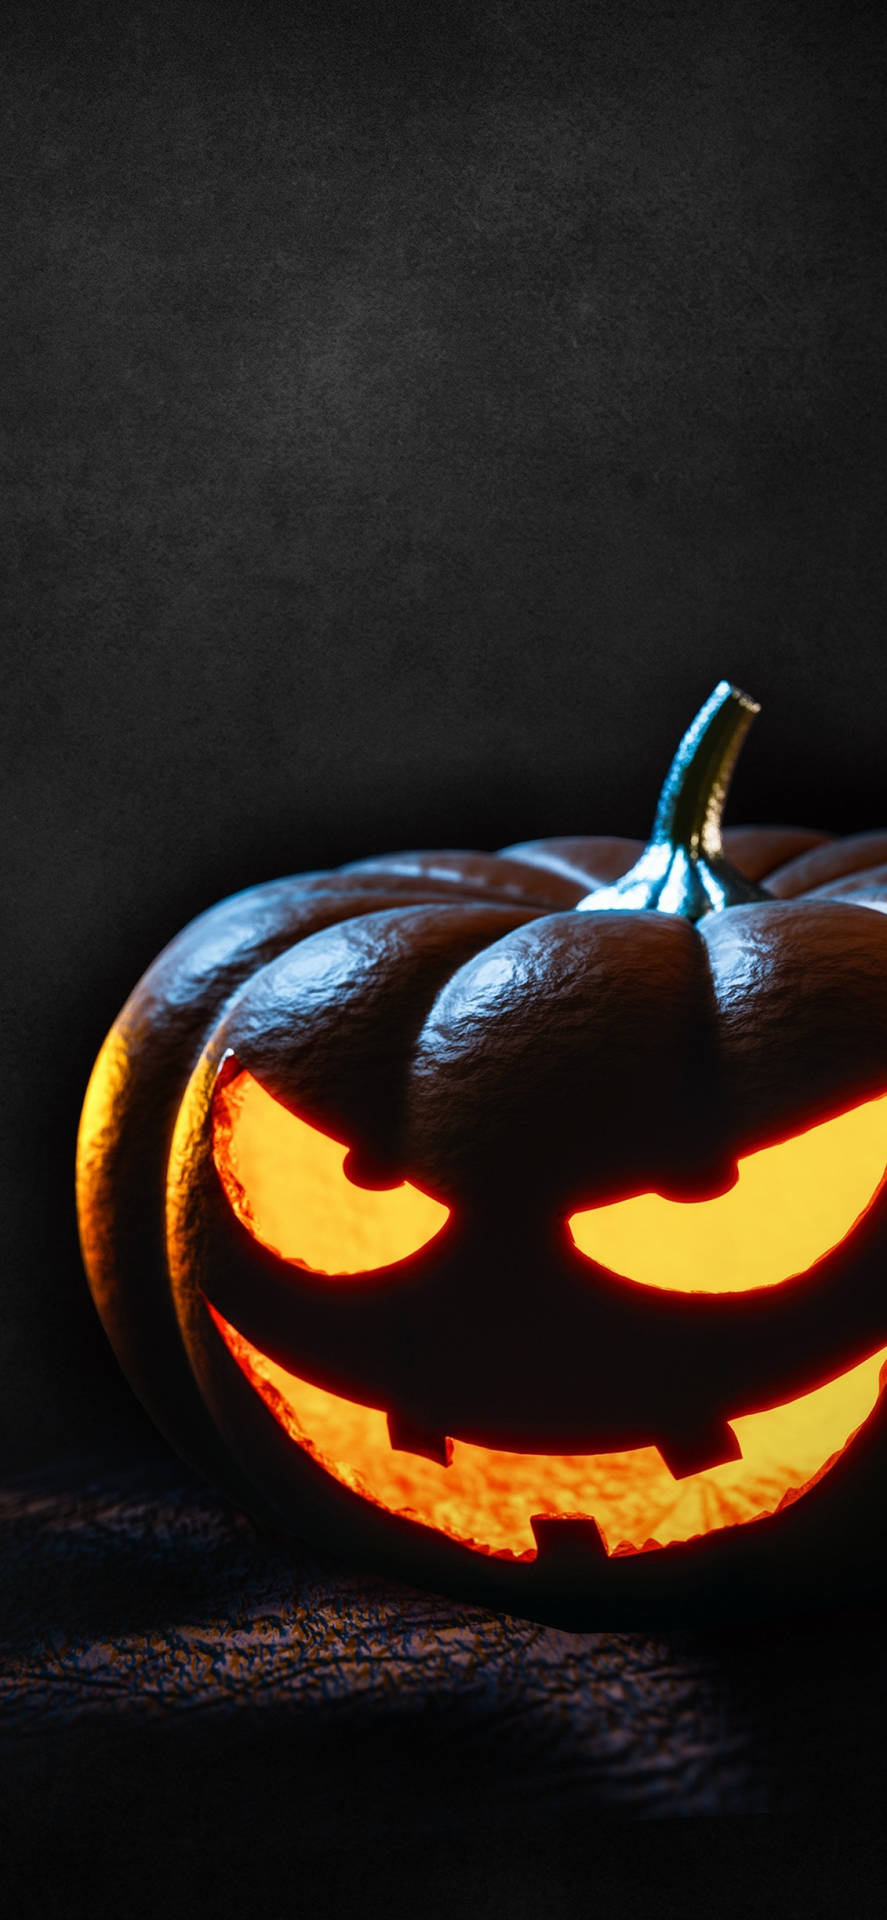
(516, 1221)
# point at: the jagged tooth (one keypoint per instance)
(705, 1446)
(407, 1436)
(567, 1541)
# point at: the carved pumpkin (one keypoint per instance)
(515, 1222)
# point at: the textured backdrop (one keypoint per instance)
(413, 412)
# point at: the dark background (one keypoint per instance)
(412, 413)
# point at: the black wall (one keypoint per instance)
(413, 412)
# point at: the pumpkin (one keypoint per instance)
(515, 1223)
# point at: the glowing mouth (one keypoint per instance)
(485, 1499)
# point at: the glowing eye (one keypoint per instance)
(791, 1204)
(285, 1181)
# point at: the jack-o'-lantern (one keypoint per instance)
(516, 1222)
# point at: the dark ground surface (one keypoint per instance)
(412, 413)
(196, 1712)
(154, 1609)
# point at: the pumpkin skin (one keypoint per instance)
(455, 1020)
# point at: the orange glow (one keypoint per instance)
(790, 1205)
(485, 1498)
(286, 1182)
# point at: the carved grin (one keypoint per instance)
(284, 1182)
(489, 1500)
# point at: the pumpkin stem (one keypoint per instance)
(684, 869)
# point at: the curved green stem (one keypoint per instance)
(691, 803)
(683, 869)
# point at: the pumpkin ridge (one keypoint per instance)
(366, 985)
(863, 887)
(591, 861)
(832, 860)
(759, 852)
(794, 1049)
(486, 873)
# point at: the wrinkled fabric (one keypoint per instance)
(143, 1606)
